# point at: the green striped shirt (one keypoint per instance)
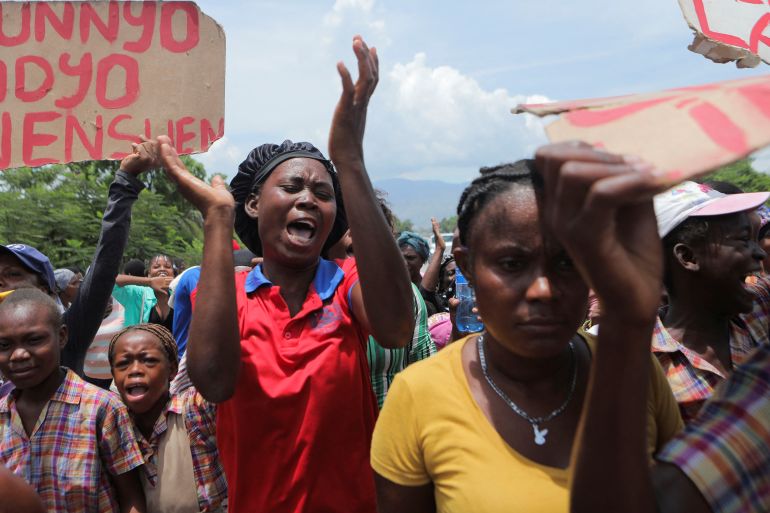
(384, 364)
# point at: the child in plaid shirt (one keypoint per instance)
(70, 440)
(176, 432)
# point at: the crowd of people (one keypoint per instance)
(623, 365)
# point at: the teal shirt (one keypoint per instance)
(138, 302)
(384, 364)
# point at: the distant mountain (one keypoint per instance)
(419, 200)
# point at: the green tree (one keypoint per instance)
(742, 174)
(58, 209)
(448, 224)
(402, 226)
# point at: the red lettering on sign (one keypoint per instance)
(88, 17)
(759, 96)
(192, 35)
(182, 137)
(32, 139)
(207, 132)
(21, 78)
(700, 10)
(5, 143)
(131, 84)
(3, 80)
(23, 34)
(600, 117)
(146, 20)
(720, 128)
(757, 35)
(63, 26)
(84, 70)
(147, 128)
(71, 126)
(170, 131)
(112, 132)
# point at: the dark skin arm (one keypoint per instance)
(129, 492)
(18, 496)
(430, 278)
(159, 284)
(675, 492)
(600, 208)
(395, 498)
(214, 346)
(383, 299)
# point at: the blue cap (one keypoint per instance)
(35, 261)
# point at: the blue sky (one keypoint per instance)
(450, 72)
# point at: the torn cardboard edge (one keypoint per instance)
(685, 132)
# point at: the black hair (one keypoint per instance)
(134, 267)
(36, 297)
(75, 269)
(385, 208)
(493, 181)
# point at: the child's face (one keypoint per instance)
(30, 344)
(141, 370)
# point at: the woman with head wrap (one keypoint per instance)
(282, 348)
(416, 251)
(67, 285)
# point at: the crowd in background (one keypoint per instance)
(318, 365)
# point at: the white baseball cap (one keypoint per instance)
(694, 199)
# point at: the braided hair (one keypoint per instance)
(493, 181)
(163, 335)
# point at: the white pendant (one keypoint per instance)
(539, 434)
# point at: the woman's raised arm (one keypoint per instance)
(383, 301)
(214, 345)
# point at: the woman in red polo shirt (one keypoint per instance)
(282, 348)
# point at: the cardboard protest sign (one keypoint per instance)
(730, 30)
(80, 80)
(685, 132)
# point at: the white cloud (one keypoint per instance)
(334, 17)
(222, 157)
(440, 123)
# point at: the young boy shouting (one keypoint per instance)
(70, 440)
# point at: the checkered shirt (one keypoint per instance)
(725, 451)
(692, 378)
(83, 436)
(200, 422)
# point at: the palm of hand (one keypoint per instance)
(206, 198)
(349, 121)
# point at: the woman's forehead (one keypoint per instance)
(302, 167)
(514, 216)
(515, 209)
